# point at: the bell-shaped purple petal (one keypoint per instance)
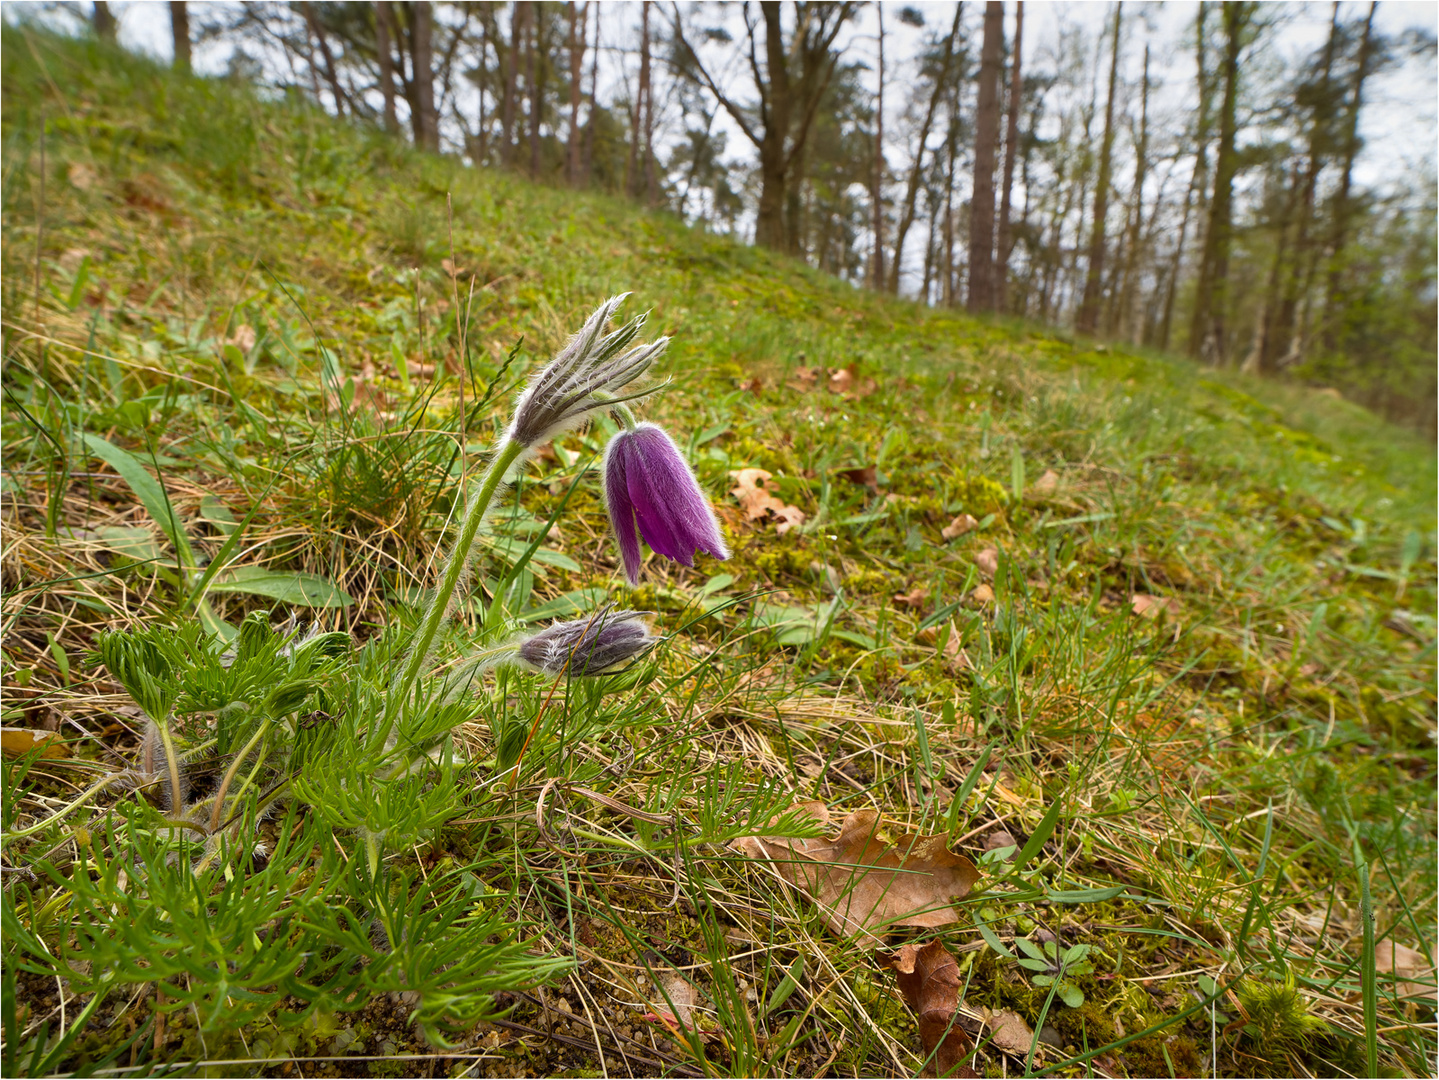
(649, 487)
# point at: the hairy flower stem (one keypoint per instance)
(80, 800)
(459, 558)
(618, 409)
(224, 787)
(172, 761)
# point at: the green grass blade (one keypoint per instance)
(147, 489)
(1037, 838)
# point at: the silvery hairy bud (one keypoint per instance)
(588, 646)
(585, 376)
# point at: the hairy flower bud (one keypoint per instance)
(649, 486)
(588, 646)
(593, 362)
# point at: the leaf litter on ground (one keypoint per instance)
(864, 886)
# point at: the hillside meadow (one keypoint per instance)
(1113, 675)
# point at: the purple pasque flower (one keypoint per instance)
(649, 486)
(587, 374)
(588, 646)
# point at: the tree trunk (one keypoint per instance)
(535, 83)
(180, 34)
(422, 60)
(906, 219)
(1257, 362)
(773, 169)
(1300, 279)
(507, 107)
(1207, 341)
(576, 56)
(1087, 319)
(1011, 150)
(930, 241)
(588, 151)
(1198, 180)
(102, 19)
(632, 159)
(948, 293)
(318, 33)
(385, 54)
(647, 99)
(1124, 321)
(986, 136)
(876, 178)
(787, 105)
(1343, 207)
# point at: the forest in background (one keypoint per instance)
(1234, 228)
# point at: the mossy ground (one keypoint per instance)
(262, 298)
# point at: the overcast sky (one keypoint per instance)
(1400, 122)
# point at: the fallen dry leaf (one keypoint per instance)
(865, 476)
(243, 338)
(1047, 483)
(914, 598)
(757, 500)
(929, 980)
(17, 741)
(1413, 974)
(81, 175)
(863, 885)
(846, 383)
(1009, 1032)
(1154, 607)
(982, 594)
(959, 526)
(754, 385)
(677, 1013)
(998, 839)
(988, 562)
(450, 268)
(804, 379)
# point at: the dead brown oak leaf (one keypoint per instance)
(1154, 607)
(1009, 1033)
(1047, 484)
(19, 741)
(929, 980)
(675, 1010)
(1413, 974)
(804, 379)
(757, 500)
(861, 476)
(243, 338)
(846, 383)
(914, 598)
(988, 562)
(959, 526)
(864, 885)
(82, 176)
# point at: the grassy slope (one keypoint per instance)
(1288, 526)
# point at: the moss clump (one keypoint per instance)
(867, 583)
(1163, 1055)
(1277, 1015)
(978, 495)
(779, 563)
(1087, 1026)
